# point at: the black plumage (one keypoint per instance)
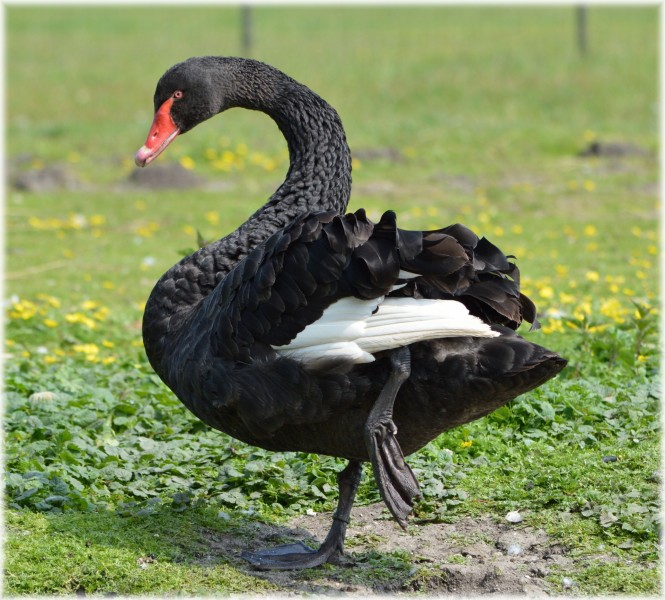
(217, 324)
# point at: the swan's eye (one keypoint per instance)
(177, 94)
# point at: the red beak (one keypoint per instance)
(162, 132)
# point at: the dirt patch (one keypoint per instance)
(614, 149)
(470, 557)
(167, 176)
(49, 178)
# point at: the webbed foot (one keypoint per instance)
(300, 556)
(288, 556)
(395, 479)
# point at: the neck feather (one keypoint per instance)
(319, 178)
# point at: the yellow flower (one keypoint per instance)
(552, 325)
(89, 305)
(432, 211)
(589, 135)
(612, 308)
(187, 162)
(592, 276)
(561, 270)
(108, 285)
(517, 229)
(78, 317)
(102, 313)
(97, 220)
(50, 323)
(582, 310)
(466, 444)
(589, 185)
(591, 247)
(88, 348)
(546, 292)
(49, 360)
(499, 231)
(188, 230)
(590, 230)
(356, 164)
(108, 360)
(147, 230)
(651, 249)
(107, 344)
(212, 216)
(23, 309)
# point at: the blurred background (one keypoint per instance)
(442, 106)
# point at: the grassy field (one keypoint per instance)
(476, 115)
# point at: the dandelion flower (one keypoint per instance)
(590, 135)
(81, 319)
(212, 217)
(592, 276)
(50, 323)
(546, 292)
(589, 185)
(590, 230)
(89, 305)
(466, 444)
(187, 162)
(107, 344)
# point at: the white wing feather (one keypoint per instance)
(353, 329)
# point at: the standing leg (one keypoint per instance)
(397, 483)
(300, 556)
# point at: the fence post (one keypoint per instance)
(581, 30)
(247, 37)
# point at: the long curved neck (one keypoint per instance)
(319, 178)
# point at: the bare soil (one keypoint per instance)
(470, 557)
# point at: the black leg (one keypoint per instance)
(397, 483)
(300, 556)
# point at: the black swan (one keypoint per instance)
(311, 330)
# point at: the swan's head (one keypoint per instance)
(186, 95)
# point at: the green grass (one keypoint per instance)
(112, 487)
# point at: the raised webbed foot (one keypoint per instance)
(395, 479)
